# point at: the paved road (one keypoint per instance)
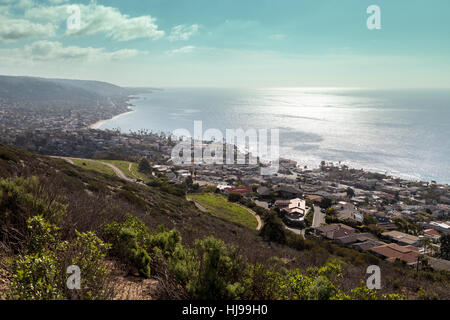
(297, 231)
(318, 217)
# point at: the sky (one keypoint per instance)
(229, 43)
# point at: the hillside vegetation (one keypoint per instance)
(122, 235)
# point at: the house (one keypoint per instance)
(297, 206)
(288, 164)
(282, 204)
(432, 234)
(402, 238)
(295, 209)
(365, 246)
(249, 180)
(287, 191)
(334, 231)
(381, 217)
(264, 192)
(392, 251)
(387, 226)
(240, 190)
(440, 226)
(347, 210)
(222, 187)
(316, 199)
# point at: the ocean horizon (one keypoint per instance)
(403, 133)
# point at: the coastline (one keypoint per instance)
(97, 124)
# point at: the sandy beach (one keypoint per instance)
(97, 124)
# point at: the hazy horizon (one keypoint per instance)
(255, 44)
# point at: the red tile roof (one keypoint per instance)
(393, 251)
(431, 232)
(240, 190)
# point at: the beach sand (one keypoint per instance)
(97, 124)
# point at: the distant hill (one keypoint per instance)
(55, 89)
(42, 90)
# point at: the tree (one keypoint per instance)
(234, 197)
(426, 243)
(273, 229)
(144, 166)
(325, 203)
(369, 219)
(189, 182)
(331, 212)
(445, 246)
(350, 192)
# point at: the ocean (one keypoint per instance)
(404, 133)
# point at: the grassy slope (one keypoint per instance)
(95, 166)
(220, 207)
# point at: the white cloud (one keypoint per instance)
(185, 49)
(97, 19)
(55, 51)
(17, 3)
(183, 32)
(12, 29)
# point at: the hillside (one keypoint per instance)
(43, 91)
(136, 220)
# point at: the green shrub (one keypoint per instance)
(21, 199)
(273, 229)
(166, 241)
(36, 277)
(129, 241)
(87, 252)
(43, 235)
(427, 295)
(40, 273)
(223, 274)
(234, 197)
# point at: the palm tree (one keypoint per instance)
(426, 243)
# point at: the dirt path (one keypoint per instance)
(198, 205)
(116, 170)
(258, 218)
